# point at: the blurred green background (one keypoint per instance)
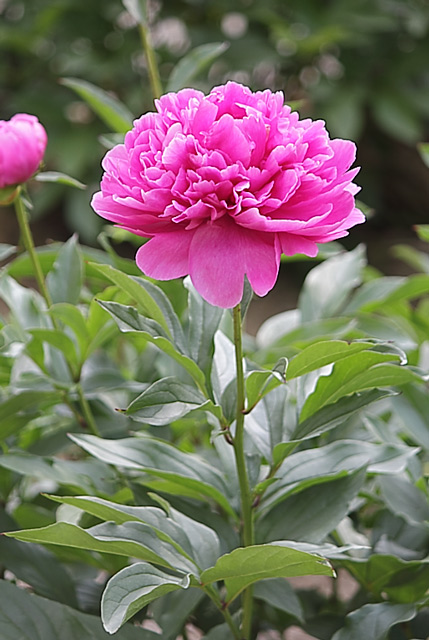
(363, 66)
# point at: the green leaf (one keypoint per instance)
(12, 416)
(72, 317)
(193, 63)
(187, 472)
(192, 539)
(278, 593)
(365, 370)
(129, 539)
(403, 581)
(132, 589)
(259, 383)
(59, 178)
(30, 617)
(327, 286)
(39, 568)
(85, 475)
(405, 499)
(336, 414)
(146, 303)
(204, 320)
(59, 340)
(167, 400)
(322, 353)
(323, 505)
(113, 113)
(128, 319)
(374, 621)
(247, 565)
(317, 465)
(173, 610)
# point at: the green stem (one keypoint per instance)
(211, 592)
(86, 410)
(152, 67)
(240, 460)
(28, 243)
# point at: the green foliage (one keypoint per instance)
(122, 401)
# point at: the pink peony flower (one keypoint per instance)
(22, 145)
(223, 184)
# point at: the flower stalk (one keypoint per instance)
(152, 67)
(27, 240)
(247, 534)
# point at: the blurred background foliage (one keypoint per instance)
(362, 66)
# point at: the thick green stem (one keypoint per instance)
(152, 67)
(27, 240)
(240, 459)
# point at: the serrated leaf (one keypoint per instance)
(59, 178)
(247, 565)
(194, 63)
(113, 113)
(374, 621)
(133, 588)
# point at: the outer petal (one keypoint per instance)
(166, 256)
(222, 253)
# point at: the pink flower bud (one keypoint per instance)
(22, 145)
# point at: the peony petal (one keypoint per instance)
(165, 256)
(216, 264)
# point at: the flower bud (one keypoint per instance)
(22, 145)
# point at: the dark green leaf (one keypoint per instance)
(404, 582)
(374, 621)
(278, 593)
(30, 617)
